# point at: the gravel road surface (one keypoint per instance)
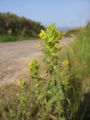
(14, 57)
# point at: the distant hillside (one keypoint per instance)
(14, 25)
(65, 28)
(71, 31)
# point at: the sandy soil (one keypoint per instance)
(15, 56)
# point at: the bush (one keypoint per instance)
(12, 38)
(11, 24)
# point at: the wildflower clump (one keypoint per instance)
(54, 93)
(51, 47)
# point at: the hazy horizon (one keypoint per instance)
(63, 13)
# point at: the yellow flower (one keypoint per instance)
(42, 34)
(22, 99)
(59, 47)
(65, 82)
(21, 84)
(54, 54)
(56, 31)
(65, 62)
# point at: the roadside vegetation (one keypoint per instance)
(12, 38)
(72, 32)
(79, 51)
(13, 27)
(56, 87)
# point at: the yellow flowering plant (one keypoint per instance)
(55, 93)
(52, 96)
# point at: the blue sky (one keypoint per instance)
(65, 13)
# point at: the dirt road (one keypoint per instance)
(14, 57)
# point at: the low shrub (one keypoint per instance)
(12, 38)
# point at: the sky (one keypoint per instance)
(64, 13)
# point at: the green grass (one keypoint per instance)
(11, 38)
(79, 51)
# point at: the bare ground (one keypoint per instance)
(15, 56)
